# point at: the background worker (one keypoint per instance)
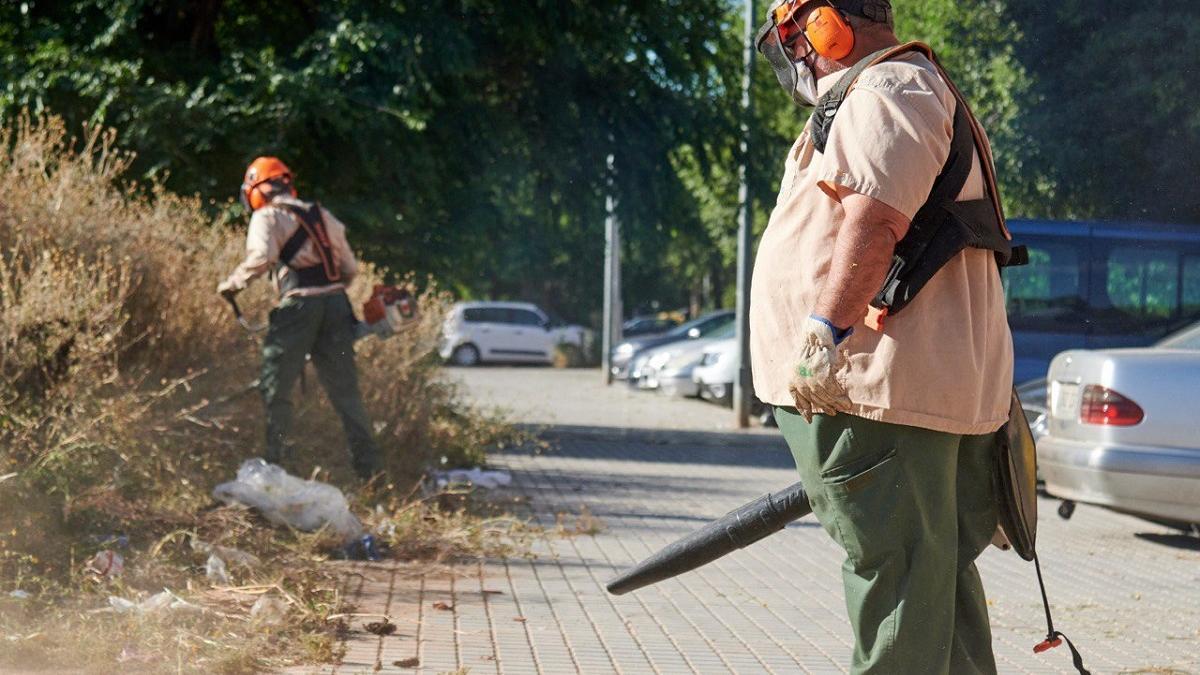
(891, 427)
(306, 249)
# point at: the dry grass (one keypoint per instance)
(124, 399)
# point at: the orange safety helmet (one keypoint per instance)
(260, 171)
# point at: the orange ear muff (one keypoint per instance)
(254, 199)
(257, 199)
(829, 33)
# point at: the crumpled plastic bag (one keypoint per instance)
(488, 480)
(231, 556)
(284, 499)
(268, 610)
(166, 600)
(108, 564)
(216, 571)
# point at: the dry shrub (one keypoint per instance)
(125, 386)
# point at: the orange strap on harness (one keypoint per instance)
(312, 227)
(874, 318)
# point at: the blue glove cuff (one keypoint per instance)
(839, 334)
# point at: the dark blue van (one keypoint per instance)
(1098, 285)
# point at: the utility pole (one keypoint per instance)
(611, 328)
(743, 387)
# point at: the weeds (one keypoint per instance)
(585, 524)
(126, 395)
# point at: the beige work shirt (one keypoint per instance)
(270, 228)
(945, 362)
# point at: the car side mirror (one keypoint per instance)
(546, 325)
(693, 333)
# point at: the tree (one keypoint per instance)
(462, 139)
(1112, 105)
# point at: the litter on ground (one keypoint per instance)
(268, 610)
(488, 480)
(107, 564)
(166, 600)
(230, 555)
(216, 571)
(284, 499)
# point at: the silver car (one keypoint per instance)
(669, 367)
(1123, 429)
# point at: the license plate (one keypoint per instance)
(1064, 399)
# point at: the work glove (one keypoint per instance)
(226, 289)
(814, 385)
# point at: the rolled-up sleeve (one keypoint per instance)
(889, 143)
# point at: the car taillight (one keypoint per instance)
(1101, 405)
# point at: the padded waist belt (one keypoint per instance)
(308, 277)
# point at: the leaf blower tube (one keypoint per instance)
(739, 528)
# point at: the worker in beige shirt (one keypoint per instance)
(305, 248)
(890, 424)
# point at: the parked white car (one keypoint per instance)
(1122, 429)
(669, 368)
(718, 369)
(477, 332)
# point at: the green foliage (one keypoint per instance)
(468, 138)
(1112, 105)
(978, 46)
(463, 139)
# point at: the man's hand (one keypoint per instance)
(226, 289)
(815, 384)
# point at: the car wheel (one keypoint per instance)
(465, 355)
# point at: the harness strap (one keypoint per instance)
(828, 105)
(943, 226)
(985, 150)
(312, 227)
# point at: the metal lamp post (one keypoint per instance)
(743, 388)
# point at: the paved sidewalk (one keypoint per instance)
(1127, 592)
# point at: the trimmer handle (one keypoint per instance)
(231, 297)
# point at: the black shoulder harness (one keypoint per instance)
(312, 226)
(942, 227)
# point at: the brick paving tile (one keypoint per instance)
(1124, 589)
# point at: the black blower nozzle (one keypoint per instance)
(739, 528)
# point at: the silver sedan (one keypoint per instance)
(1123, 429)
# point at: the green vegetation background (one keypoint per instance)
(468, 139)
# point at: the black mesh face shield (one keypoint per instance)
(770, 45)
(783, 52)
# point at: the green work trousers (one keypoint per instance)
(321, 326)
(912, 508)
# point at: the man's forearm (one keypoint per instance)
(252, 267)
(862, 256)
